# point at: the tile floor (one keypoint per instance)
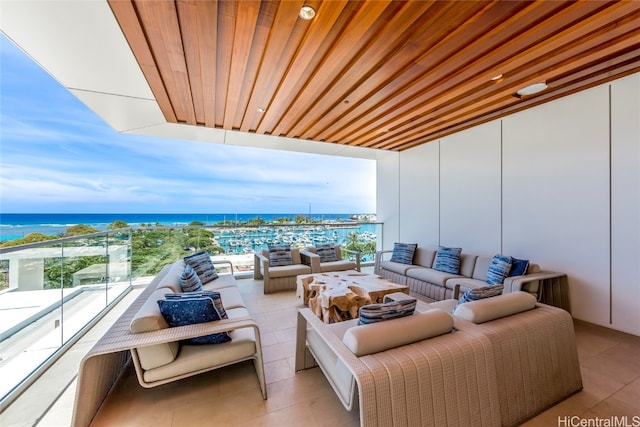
(231, 396)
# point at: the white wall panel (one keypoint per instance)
(419, 194)
(625, 204)
(388, 202)
(556, 194)
(470, 189)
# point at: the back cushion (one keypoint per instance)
(467, 262)
(481, 267)
(424, 257)
(376, 337)
(488, 309)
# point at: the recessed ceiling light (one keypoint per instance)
(532, 89)
(261, 110)
(498, 77)
(307, 13)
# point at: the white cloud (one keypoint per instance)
(57, 156)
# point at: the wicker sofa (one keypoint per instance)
(505, 360)
(102, 365)
(424, 281)
(169, 361)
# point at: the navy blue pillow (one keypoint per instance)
(190, 311)
(403, 252)
(215, 296)
(518, 267)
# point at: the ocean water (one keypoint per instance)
(16, 226)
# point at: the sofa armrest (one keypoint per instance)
(312, 260)
(224, 262)
(178, 333)
(549, 287)
(260, 266)
(379, 256)
(361, 373)
(355, 254)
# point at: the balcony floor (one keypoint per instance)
(231, 396)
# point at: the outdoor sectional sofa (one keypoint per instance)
(425, 281)
(497, 361)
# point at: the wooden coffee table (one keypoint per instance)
(338, 296)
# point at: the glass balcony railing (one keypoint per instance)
(49, 292)
(52, 291)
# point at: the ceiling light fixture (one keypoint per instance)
(307, 13)
(498, 77)
(532, 89)
(261, 110)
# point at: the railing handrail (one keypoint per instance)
(33, 245)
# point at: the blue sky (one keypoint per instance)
(56, 156)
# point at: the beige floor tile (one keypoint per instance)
(231, 396)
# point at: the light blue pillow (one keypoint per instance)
(189, 280)
(479, 293)
(189, 311)
(201, 263)
(372, 313)
(448, 260)
(403, 252)
(215, 296)
(327, 252)
(519, 267)
(280, 256)
(498, 270)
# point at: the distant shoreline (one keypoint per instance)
(16, 226)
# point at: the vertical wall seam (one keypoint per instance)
(439, 190)
(501, 190)
(399, 196)
(610, 213)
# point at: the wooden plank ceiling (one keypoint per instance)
(381, 74)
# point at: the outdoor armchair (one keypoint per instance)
(312, 258)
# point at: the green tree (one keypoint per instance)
(117, 224)
(29, 238)
(196, 224)
(79, 230)
(256, 221)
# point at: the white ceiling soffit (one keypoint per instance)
(80, 44)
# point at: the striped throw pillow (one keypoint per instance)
(327, 252)
(403, 252)
(201, 263)
(498, 270)
(448, 260)
(280, 256)
(479, 293)
(373, 313)
(189, 280)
